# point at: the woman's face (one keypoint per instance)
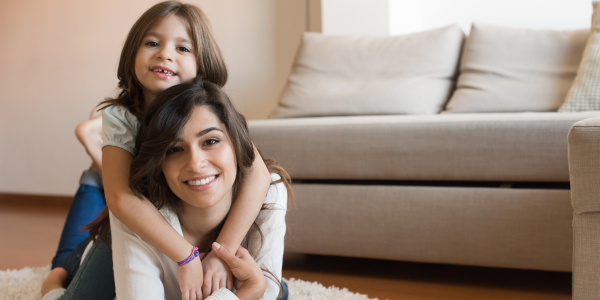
(201, 168)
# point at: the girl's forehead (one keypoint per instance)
(170, 24)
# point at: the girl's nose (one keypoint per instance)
(164, 54)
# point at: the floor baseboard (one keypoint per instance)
(35, 200)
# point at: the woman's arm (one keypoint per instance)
(144, 219)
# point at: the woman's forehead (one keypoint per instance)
(201, 118)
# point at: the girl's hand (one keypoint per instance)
(216, 274)
(251, 281)
(190, 280)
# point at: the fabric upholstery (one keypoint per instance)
(494, 227)
(585, 93)
(366, 75)
(584, 165)
(586, 261)
(516, 70)
(479, 147)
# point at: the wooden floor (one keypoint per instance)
(29, 236)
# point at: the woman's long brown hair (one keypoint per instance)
(161, 126)
(211, 65)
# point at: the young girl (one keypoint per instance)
(170, 44)
(193, 134)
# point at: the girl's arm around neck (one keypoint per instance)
(250, 197)
(137, 214)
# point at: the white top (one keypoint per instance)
(143, 272)
(119, 128)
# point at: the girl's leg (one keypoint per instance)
(87, 205)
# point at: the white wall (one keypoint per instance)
(60, 58)
(394, 17)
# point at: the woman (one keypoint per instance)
(193, 150)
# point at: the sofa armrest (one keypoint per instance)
(584, 165)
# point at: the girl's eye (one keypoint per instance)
(151, 44)
(210, 142)
(174, 150)
(183, 49)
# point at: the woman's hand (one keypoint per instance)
(251, 282)
(190, 280)
(216, 274)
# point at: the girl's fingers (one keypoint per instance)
(216, 285)
(199, 295)
(193, 296)
(206, 287)
(185, 295)
(230, 282)
(223, 282)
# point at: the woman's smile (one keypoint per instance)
(203, 184)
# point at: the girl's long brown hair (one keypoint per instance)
(162, 124)
(211, 65)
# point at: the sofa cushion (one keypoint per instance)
(480, 147)
(584, 95)
(516, 70)
(366, 75)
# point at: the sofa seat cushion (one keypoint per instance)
(471, 147)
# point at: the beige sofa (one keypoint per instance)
(481, 180)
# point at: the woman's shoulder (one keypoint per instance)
(277, 193)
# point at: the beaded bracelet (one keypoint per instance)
(186, 261)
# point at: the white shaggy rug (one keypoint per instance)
(25, 284)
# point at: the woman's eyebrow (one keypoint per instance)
(207, 130)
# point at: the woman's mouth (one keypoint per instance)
(201, 182)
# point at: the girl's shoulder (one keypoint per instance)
(121, 113)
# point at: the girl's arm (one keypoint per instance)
(144, 219)
(242, 214)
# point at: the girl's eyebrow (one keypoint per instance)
(201, 133)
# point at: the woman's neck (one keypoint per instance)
(200, 224)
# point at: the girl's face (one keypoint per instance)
(201, 168)
(165, 57)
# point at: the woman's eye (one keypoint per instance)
(210, 142)
(174, 150)
(151, 44)
(183, 49)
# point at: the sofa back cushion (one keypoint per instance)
(367, 75)
(514, 70)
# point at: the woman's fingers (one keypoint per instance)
(225, 255)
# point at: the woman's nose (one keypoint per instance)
(196, 161)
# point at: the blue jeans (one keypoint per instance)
(87, 204)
